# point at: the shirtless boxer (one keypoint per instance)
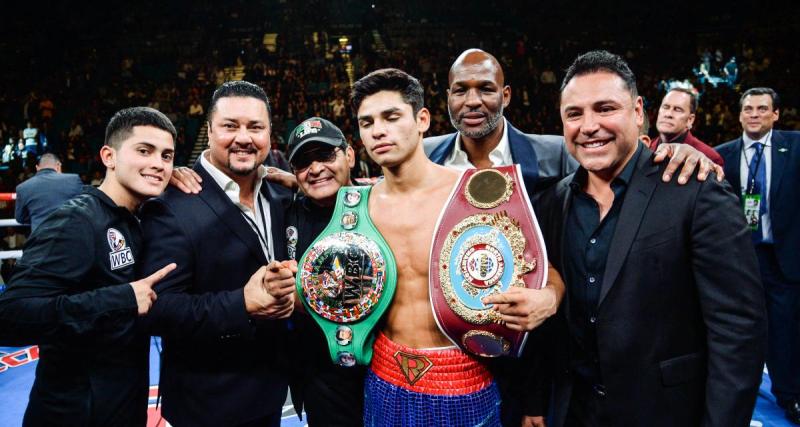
(417, 376)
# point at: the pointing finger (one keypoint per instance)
(160, 274)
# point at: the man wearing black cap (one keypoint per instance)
(320, 160)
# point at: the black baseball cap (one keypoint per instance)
(315, 129)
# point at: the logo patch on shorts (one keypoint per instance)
(413, 366)
(120, 255)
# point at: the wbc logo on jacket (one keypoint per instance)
(120, 255)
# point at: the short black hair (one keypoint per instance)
(122, 123)
(761, 91)
(238, 88)
(390, 79)
(692, 97)
(601, 60)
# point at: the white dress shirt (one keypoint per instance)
(259, 219)
(500, 156)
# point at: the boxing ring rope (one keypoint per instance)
(10, 222)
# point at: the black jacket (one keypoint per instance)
(680, 320)
(219, 367)
(70, 295)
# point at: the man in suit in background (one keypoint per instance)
(663, 320)
(223, 327)
(763, 167)
(45, 191)
(675, 119)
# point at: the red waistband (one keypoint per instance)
(442, 372)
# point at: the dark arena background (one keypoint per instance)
(68, 66)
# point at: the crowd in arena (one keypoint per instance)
(64, 113)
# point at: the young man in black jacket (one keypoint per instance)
(75, 293)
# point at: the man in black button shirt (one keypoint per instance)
(664, 314)
(74, 292)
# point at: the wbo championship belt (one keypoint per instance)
(487, 240)
(347, 278)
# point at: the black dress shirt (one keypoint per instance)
(586, 244)
(70, 295)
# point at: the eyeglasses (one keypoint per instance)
(303, 161)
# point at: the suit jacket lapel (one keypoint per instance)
(637, 198)
(780, 152)
(734, 158)
(565, 206)
(522, 152)
(228, 213)
(443, 150)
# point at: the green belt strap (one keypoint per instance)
(347, 278)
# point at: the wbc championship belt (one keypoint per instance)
(487, 240)
(347, 277)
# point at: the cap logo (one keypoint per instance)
(308, 127)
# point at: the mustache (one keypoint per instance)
(247, 148)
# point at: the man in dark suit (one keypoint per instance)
(663, 320)
(222, 325)
(763, 167)
(44, 192)
(75, 291)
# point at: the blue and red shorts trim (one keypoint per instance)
(409, 387)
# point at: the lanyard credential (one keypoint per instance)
(752, 171)
(261, 237)
(753, 200)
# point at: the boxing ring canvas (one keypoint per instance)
(18, 367)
